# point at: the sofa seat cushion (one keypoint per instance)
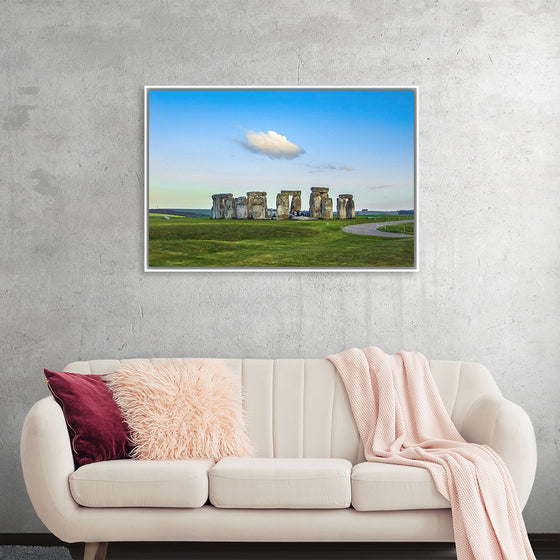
(382, 486)
(132, 483)
(280, 483)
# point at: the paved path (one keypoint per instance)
(373, 229)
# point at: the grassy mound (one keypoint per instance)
(201, 242)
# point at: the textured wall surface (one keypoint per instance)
(71, 213)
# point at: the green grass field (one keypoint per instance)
(400, 228)
(201, 242)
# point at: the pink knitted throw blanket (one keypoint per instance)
(401, 420)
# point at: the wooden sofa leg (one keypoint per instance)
(101, 551)
(90, 550)
(95, 551)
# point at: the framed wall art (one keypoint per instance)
(273, 179)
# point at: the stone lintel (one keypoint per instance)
(222, 195)
(291, 193)
(256, 193)
(346, 196)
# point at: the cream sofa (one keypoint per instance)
(308, 481)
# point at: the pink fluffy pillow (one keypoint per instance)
(181, 409)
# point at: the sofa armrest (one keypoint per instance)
(47, 461)
(506, 427)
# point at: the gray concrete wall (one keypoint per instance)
(71, 213)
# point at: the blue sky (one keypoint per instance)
(203, 142)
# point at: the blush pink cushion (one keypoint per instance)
(181, 409)
(95, 423)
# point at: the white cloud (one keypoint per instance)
(270, 144)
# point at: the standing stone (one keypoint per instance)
(256, 205)
(345, 206)
(241, 207)
(283, 205)
(326, 208)
(219, 205)
(315, 201)
(319, 202)
(341, 208)
(215, 212)
(295, 207)
(229, 208)
(314, 204)
(350, 209)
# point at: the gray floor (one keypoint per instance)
(22, 552)
(293, 551)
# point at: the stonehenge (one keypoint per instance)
(254, 206)
(283, 206)
(320, 203)
(223, 206)
(345, 208)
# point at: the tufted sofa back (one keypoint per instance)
(299, 407)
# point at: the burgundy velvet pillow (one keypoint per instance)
(97, 429)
